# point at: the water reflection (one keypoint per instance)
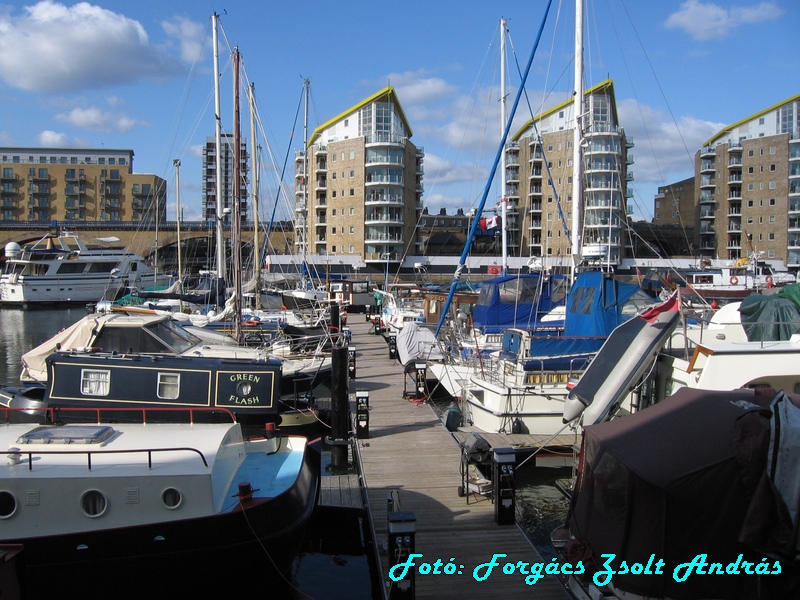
(25, 329)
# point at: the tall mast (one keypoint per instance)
(218, 155)
(503, 117)
(305, 170)
(254, 169)
(177, 163)
(236, 211)
(577, 158)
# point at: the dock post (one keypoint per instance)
(335, 319)
(402, 528)
(339, 408)
(503, 487)
(362, 414)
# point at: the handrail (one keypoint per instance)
(89, 453)
(53, 411)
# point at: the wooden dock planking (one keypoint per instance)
(409, 450)
(341, 490)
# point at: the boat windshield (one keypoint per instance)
(161, 336)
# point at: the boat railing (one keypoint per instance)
(56, 414)
(15, 454)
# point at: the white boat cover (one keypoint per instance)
(415, 341)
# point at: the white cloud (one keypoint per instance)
(664, 150)
(53, 139)
(414, 87)
(56, 48)
(96, 119)
(708, 21)
(190, 35)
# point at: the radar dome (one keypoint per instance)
(12, 250)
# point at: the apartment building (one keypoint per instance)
(77, 184)
(539, 172)
(748, 182)
(358, 184)
(226, 175)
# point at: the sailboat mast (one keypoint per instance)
(577, 140)
(236, 233)
(305, 170)
(254, 169)
(503, 188)
(218, 157)
(177, 164)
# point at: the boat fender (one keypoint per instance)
(734, 280)
(453, 418)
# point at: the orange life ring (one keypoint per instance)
(251, 323)
(734, 280)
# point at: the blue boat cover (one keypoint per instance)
(517, 301)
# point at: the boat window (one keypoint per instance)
(95, 382)
(171, 498)
(174, 336)
(8, 504)
(93, 503)
(102, 267)
(169, 385)
(582, 301)
(71, 268)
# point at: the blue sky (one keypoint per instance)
(138, 75)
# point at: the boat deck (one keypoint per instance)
(411, 458)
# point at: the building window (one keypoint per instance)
(333, 230)
(772, 218)
(352, 154)
(333, 175)
(352, 230)
(352, 210)
(771, 253)
(750, 187)
(772, 167)
(771, 236)
(749, 220)
(772, 201)
(772, 185)
(333, 249)
(352, 192)
(352, 249)
(333, 212)
(352, 173)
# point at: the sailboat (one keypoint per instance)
(521, 385)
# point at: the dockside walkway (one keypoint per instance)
(410, 455)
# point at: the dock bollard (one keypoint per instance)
(351, 361)
(362, 414)
(402, 527)
(392, 347)
(503, 487)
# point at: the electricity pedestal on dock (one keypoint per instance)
(402, 527)
(340, 406)
(351, 361)
(392, 347)
(362, 414)
(503, 487)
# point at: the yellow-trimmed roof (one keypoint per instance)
(760, 113)
(387, 94)
(608, 84)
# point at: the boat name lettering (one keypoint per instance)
(244, 401)
(531, 572)
(245, 377)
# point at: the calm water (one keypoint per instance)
(24, 329)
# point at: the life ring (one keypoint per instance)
(769, 280)
(251, 322)
(734, 280)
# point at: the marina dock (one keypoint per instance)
(410, 466)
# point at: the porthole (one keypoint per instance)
(244, 388)
(171, 498)
(8, 504)
(94, 503)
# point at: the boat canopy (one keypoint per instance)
(518, 301)
(689, 477)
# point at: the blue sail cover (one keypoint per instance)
(594, 305)
(517, 301)
(594, 310)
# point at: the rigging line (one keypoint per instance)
(500, 149)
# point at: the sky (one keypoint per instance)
(139, 75)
